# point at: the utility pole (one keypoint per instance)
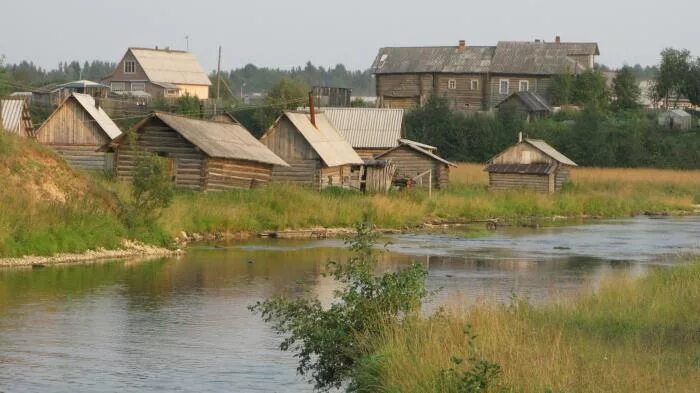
(187, 42)
(218, 81)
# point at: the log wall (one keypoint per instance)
(285, 141)
(226, 174)
(410, 163)
(503, 181)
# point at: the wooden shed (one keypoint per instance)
(204, 155)
(531, 163)
(418, 163)
(15, 117)
(675, 119)
(525, 105)
(318, 156)
(78, 130)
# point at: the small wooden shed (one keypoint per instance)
(78, 130)
(531, 163)
(418, 163)
(318, 156)
(675, 119)
(525, 105)
(204, 155)
(15, 117)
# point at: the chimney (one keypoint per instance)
(312, 110)
(520, 137)
(462, 45)
(557, 39)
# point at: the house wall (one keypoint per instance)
(463, 97)
(74, 134)
(562, 175)
(537, 84)
(201, 92)
(503, 181)
(188, 163)
(226, 174)
(405, 91)
(410, 163)
(368, 154)
(286, 142)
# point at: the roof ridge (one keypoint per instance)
(159, 49)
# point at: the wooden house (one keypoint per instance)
(318, 156)
(531, 163)
(159, 73)
(525, 105)
(418, 163)
(203, 155)
(675, 119)
(78, 130)
(370, 131)
(15, 117)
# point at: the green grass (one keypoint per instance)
(632, 335)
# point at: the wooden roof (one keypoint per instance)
(532, 101)
(171, 66)
(98, 115)
(471, 59)
(420, 148)
(533, 58)
(543, 147)
(368, 127)
(15, 116)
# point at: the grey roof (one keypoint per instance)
(367, 127)
(171, 66)
(423, 145)
(578, 48)
(530, 169)
(533, 58)
(419, 147)
(545, 148)
(533, 101)
(220, 140)
(13, 112)
(81, 84)
(472, 59)
(98, 114)
(676, 113)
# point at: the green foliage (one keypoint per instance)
(287, 94)
(151, 192)
(626, 90)
(185, 105)
(673, 74)
(560, 90)
(692, 85)
(326, 341)
(590, 90)
(359, 103)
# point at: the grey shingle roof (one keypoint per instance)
(419, 147)
(472, 59)
(533, 101)
(533, 58)
(545, 148)
(367, 127)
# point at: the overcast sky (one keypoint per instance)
(288, 33)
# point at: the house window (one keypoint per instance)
(138, 86)
(452, 84)
(524, 85)
(503, 86)
(117, 86)
(475, 84)
(129, 66)
(171, 92)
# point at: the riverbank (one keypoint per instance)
(630, 335)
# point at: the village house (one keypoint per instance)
(418, 164)
(370, 131)
(77, 129)
(160, 73)
(203, 155)
(531, 163)
(525, 105)
(15, 117)
(475, 78)
(317, 154)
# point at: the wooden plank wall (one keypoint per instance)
(463, 97)
(503, 181)
(188, 162)
(339, 176)
(561, 176)
(538, 84)
(285, 141)
(367, 153)
(410, 163)
(226, 174)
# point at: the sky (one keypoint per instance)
(290, 33)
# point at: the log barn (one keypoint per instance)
(531, 163)
(526, 106)
(78, 130)
(203, 155)
(370, 131)
(418, 163)
(15, 117)
(318, 156)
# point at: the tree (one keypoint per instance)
(152, 191)
(626, 90)
(673, 74)
(560, 90)
(692, 83)
(590, 90)
(287, 94)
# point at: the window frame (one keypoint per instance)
(131, 63)
(472, 83)
(500, 86)
(452, 84)
(527, 85)
(138, 84)
(112, 86)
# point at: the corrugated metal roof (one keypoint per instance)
(545, 148)
(533, 101)
(98, 114)
(171, 66)
(530, 169)
(367, 127)
(472, 59)
(419, 148)
(12, 112)
(333, 149)
(221, 140)
(533, 58)
(80, 84)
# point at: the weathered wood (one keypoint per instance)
(410, 163)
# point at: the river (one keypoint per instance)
(182, 324)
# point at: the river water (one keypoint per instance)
(182, 324)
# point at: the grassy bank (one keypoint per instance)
(594, 192)
(632, 335)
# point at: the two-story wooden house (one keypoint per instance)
(159, 72)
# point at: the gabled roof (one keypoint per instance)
(170, 66)
(81, 84)
(532, 101)
(333, 149)
(472, 59)
(219, 140)
(419, 147)
(367, 127)
(545, 148)
(13, 112)
(578, 48)
(98, 115)
(533, 58)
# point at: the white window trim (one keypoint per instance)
(133, 62)
(113, 86)
(452, 84)
(500, 86)
(474, 82)
(138, 84)
(527, 85)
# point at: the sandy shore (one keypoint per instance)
(129, 249)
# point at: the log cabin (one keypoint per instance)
(419, 164)
(318, 156)
(370, 131)
(526, 106)
(15, 117)
(78, 130)
(203, 155)
(531, 163)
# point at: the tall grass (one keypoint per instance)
(632, 335)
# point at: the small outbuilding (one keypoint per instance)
(418, 164)
(203, 155)
(318, 156)
(78, 130)
(531, 163)
(15, 117)
(370, 131)
(675, 119)
(525, 105)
